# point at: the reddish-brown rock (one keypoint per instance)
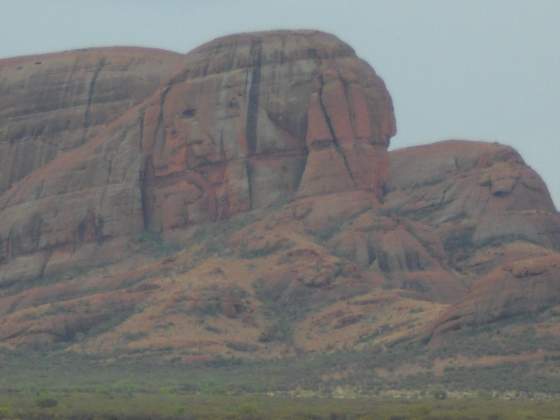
(474, 194)
(258, 119)
(247, 122)
(521, 288)
(239, 200)
(408, 254)
(55, 102)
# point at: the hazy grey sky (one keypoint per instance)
(473, 69)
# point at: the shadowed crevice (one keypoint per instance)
(91, 92)
(254, 83)
(159, 132)
(332, 131)
(141, 120)
(249, 171)
(146, 195)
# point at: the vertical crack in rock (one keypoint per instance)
(349, 102)
(45, 263)
(142, 176)
(249, 171)
(253, 98)
(159, 133)
(146, 181)
(301, 170)
(141, 128)
(91, 92)
(107, 183)
(222, 146)
(254, 87)
(3, 250)
(10, 244)
(332, 131)
(147, 175)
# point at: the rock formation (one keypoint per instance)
(240, 200)
(247, 122)
(55, 102)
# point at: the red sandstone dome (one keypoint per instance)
(258, 119)
(140, 185)
(246, 122)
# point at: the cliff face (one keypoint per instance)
(56, 102)
(240, 200)
(260, 119)
(246, 122)
(495, 219)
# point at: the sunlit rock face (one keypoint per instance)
(244, 122)
(176, 197)
(258, 119)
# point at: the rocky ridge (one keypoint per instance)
(240, 200)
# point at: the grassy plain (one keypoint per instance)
(67, 386)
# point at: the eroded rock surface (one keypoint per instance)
(55, 102)
(247, 122)
(259, 119)
(521, 288)
(240, 200)
(475, 195)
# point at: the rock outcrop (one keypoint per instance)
(259, 119)
(55, 102)
(247, 122)
(520, 288)
(240, 200)
(476, 196)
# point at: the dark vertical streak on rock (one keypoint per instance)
(253, 98)
(44, 264)
(301, 171)
(222, 146)
(251, 125)
(147, 174)
(349, 102)
(91, 92)
(249, 171)
(159, 141)
(331, 130)
(141, 136)
(3, 250)
(10, 244)
(146, 181)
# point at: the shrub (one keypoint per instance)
(47, 403)
(5, 412)
(439, 394)
(280, 331)
(134, 336)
